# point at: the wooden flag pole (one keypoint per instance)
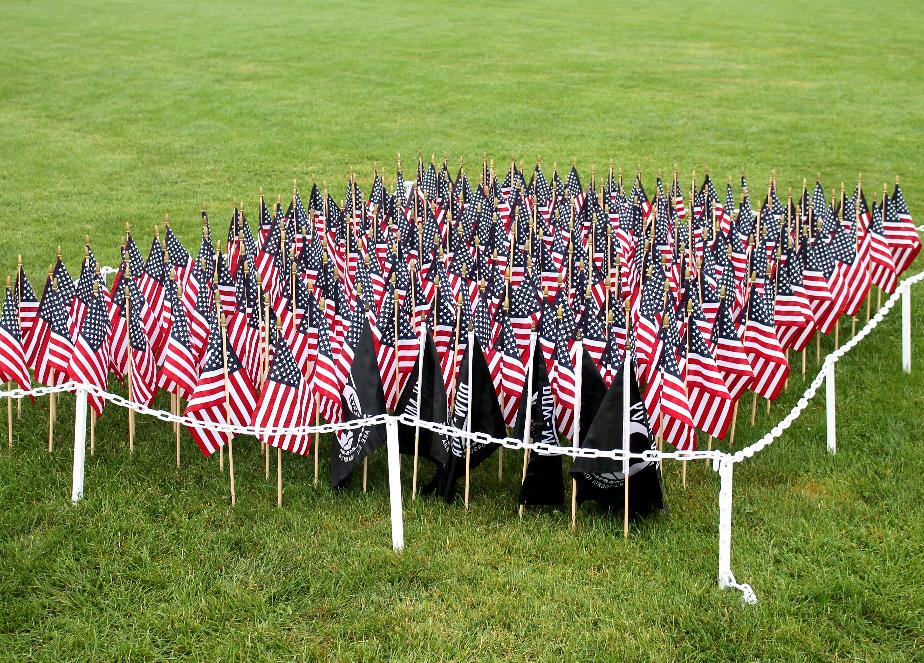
(224, 359)
(317, 436)
(9, 417)
(52, 395)
(9, 386)
(626, 424)
(576, 423)
(528, 404)
(265, 374)
(177, 431)
(260, 326)
(468, 413)
(422, 337)
(128, 374)
(19, 280)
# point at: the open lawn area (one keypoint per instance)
(115, 112)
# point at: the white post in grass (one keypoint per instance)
(726, 577)
(80, 444)
(394, 485)
(906, 327)
(726, 468)
(830, 408)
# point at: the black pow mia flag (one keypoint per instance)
(543, 484)
(433, 406)
(601, 479)
(486, 417)
(362, 398)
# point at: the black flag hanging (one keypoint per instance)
(593, 391)
(433, 406)
(543, 484)
(601, 479)
(485, 416)
(362, 398)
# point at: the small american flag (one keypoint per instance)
(12, 357)
(208, 402)
(89, 362)
(285, 402)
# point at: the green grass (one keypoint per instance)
(111, 112)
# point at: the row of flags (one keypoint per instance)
(494, 304)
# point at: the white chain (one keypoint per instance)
(829, 362)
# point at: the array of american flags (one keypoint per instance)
(709, 289)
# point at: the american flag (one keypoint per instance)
(882, 265)
(508, 371)
(244, 328)
(304, 341)
(178, 363)
(285, 402)
(208, 402)
(53, 353)
(177, 256)
(593, 332)
(151, 279)
(65, 283)
(383, 334)
(133, 257)
(564, 385)
(442, 324)
(857, 271)
(408, 345)
(265, 223)
(83, 297)
(767, 359)
(792, 304)
(28, 305)
(524, 311)
(269, 258)
(648, 321)
(673, 405)
(711, 405)
(142, 367)
(325, 385)
(12, 356)
(227, 289)
(199, 315)
(575, 190)
(728, 351)
(900, 231)
(89, 362)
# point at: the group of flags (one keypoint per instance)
(495, 304)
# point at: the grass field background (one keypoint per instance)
(117, 112)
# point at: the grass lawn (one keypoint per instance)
(114, 113)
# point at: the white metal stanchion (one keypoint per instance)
(906, 327)
(830, 408)
(726, 577)
(394, 485)
(80, 444)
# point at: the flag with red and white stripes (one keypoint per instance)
(765, 355)
(53, 352)
(90, 361)
(12, 356)
(217, 400)
(284, 402)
